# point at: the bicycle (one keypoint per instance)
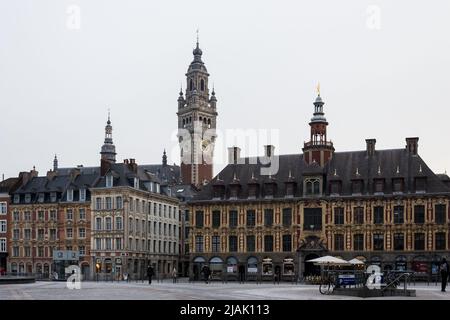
(327, 284)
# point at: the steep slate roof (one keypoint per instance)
(7, 184)
(344, 164)
(168, 174)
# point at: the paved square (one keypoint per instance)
(189, 291)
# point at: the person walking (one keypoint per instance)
(206, 273)
(174, 275)
(444, 268)
(150, 273)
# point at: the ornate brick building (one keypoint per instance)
(196, 124)
(386, 207)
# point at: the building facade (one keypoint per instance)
(385, 207)
(134, 224)
(6, 186)
(50, 213)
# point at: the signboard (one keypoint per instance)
(230, 269)
(65, 255)
(252, 270)
(347, 279)
(118, 261)
(58, 255)
(400, 265)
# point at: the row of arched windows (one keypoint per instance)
(202, 85)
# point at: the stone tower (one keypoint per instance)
(318, 149)
(108, 151)
(197, 124)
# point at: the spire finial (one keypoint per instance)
(109, 116)
(197, 36)
(318, 88)
(55, 163)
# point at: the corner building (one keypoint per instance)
(385, 207)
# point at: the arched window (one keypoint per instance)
(316, 187)
(202, 85)
(191, 85)
(200, 119)
(190, 119)
(204, 120)
(309, 187)
(184, 122)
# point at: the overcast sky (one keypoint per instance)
(383, 68)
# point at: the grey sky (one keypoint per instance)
(265, 58)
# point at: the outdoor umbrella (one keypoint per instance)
(356, 261)
(329, 260)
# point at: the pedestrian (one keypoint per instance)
(206, 273)
(174, 275)
(444, 268)
(150, 273)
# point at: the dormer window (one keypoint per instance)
(53, 196)
(136, 183)
(420, 184)
(397, 185)
(252, 191)
(70, 195)
(109, 181)
(379, 186)
(41, 197)
(269, 190)
(218, 192)
(335, 187)
(357, 186)
(27, 198)
(289, 190)
(16, 198)
(234, 190)
(312, 187)
(82, 194)
(157, 188)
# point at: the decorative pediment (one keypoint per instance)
(312, 243)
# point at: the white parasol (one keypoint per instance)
(329, 260)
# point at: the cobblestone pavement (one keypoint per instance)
(187, 291)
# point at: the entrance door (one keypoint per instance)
(310, 268)
(118, 273)
(85, 272)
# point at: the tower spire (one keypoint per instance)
(108, 150)
(55, 163)
(318, 149)
(164, 158)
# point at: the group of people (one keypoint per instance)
(151, 273)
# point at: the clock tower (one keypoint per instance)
(197, 124)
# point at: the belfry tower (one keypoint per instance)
(197, 124)
(318, 149)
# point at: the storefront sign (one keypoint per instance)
(252, 270)
(347, 279)
(118, 261)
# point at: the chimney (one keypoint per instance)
(412, 145)
(133, 165)
(126, 161)
(234, 153)
(51, 174)
(370, 146)
(269, 150)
